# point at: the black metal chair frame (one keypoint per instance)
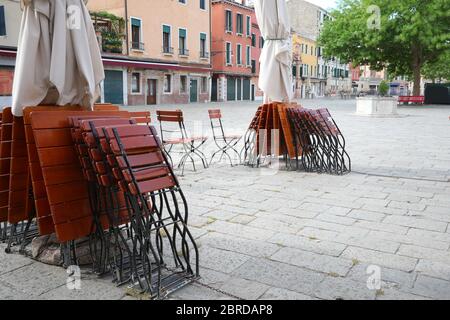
(147, 210)
(189, 144)
(223, 142)
(321, 140)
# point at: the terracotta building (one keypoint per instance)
(231, 50)
(164, 55)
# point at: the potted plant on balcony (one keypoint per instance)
(112, 42)
(381, 105)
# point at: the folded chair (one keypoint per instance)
(321, 141)
(249, 153)
(339, 160)
(172, 123)
(101, 198)
(225, 143)
(158, 208)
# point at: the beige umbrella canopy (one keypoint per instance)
(58, 58)
(276, 57)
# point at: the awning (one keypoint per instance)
(125, 62)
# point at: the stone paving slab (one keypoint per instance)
(295, 235)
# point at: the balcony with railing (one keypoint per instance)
(167, 50)
(183, 52)
(135, 45)
(204, 55)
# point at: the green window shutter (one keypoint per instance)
(182, 33)
(166, 29)
(2, 21)
(202, 36)
(135, 22)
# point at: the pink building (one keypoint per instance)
(231, 51)
(355, 72)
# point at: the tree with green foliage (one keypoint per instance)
(402, 36)
(383, 88)
(438, 70)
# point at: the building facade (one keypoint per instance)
(10, 17)
(165, 53)
(328, 76)
(305, 66)
(231, 50)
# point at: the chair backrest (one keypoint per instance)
(215, 114)
(215, 117)
(166, 118)
(329, 122)
(143, 166)
(141, 117)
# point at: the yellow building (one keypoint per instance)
(167, 49)
(306, 66)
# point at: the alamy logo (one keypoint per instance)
(73, 281)
(374, 21)
(73, 17)
(374, 279)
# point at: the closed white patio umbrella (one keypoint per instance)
(276, 57)
(58, 58)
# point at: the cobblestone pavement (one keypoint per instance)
(293, 235)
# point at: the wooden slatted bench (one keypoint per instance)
(412, 99)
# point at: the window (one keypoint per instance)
(249, 26)
(182, 42)
(203, 48)
(239, 55)
(136, 82)
(306, 48)
(261, 42)
(204, 85)
(182, 1)
(168, 83)
(228, 53)
(253, 66)
(2, 21)
(183, 84)
(253, 40)
(248, 58)
(203, 4)
(136, 34)
(228, 21)
(239, 24)
(167, 48)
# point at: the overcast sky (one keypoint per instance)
(326, 4)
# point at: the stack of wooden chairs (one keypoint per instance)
(307, 140)
(322, 143)
(100, 176)
(269, 135)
